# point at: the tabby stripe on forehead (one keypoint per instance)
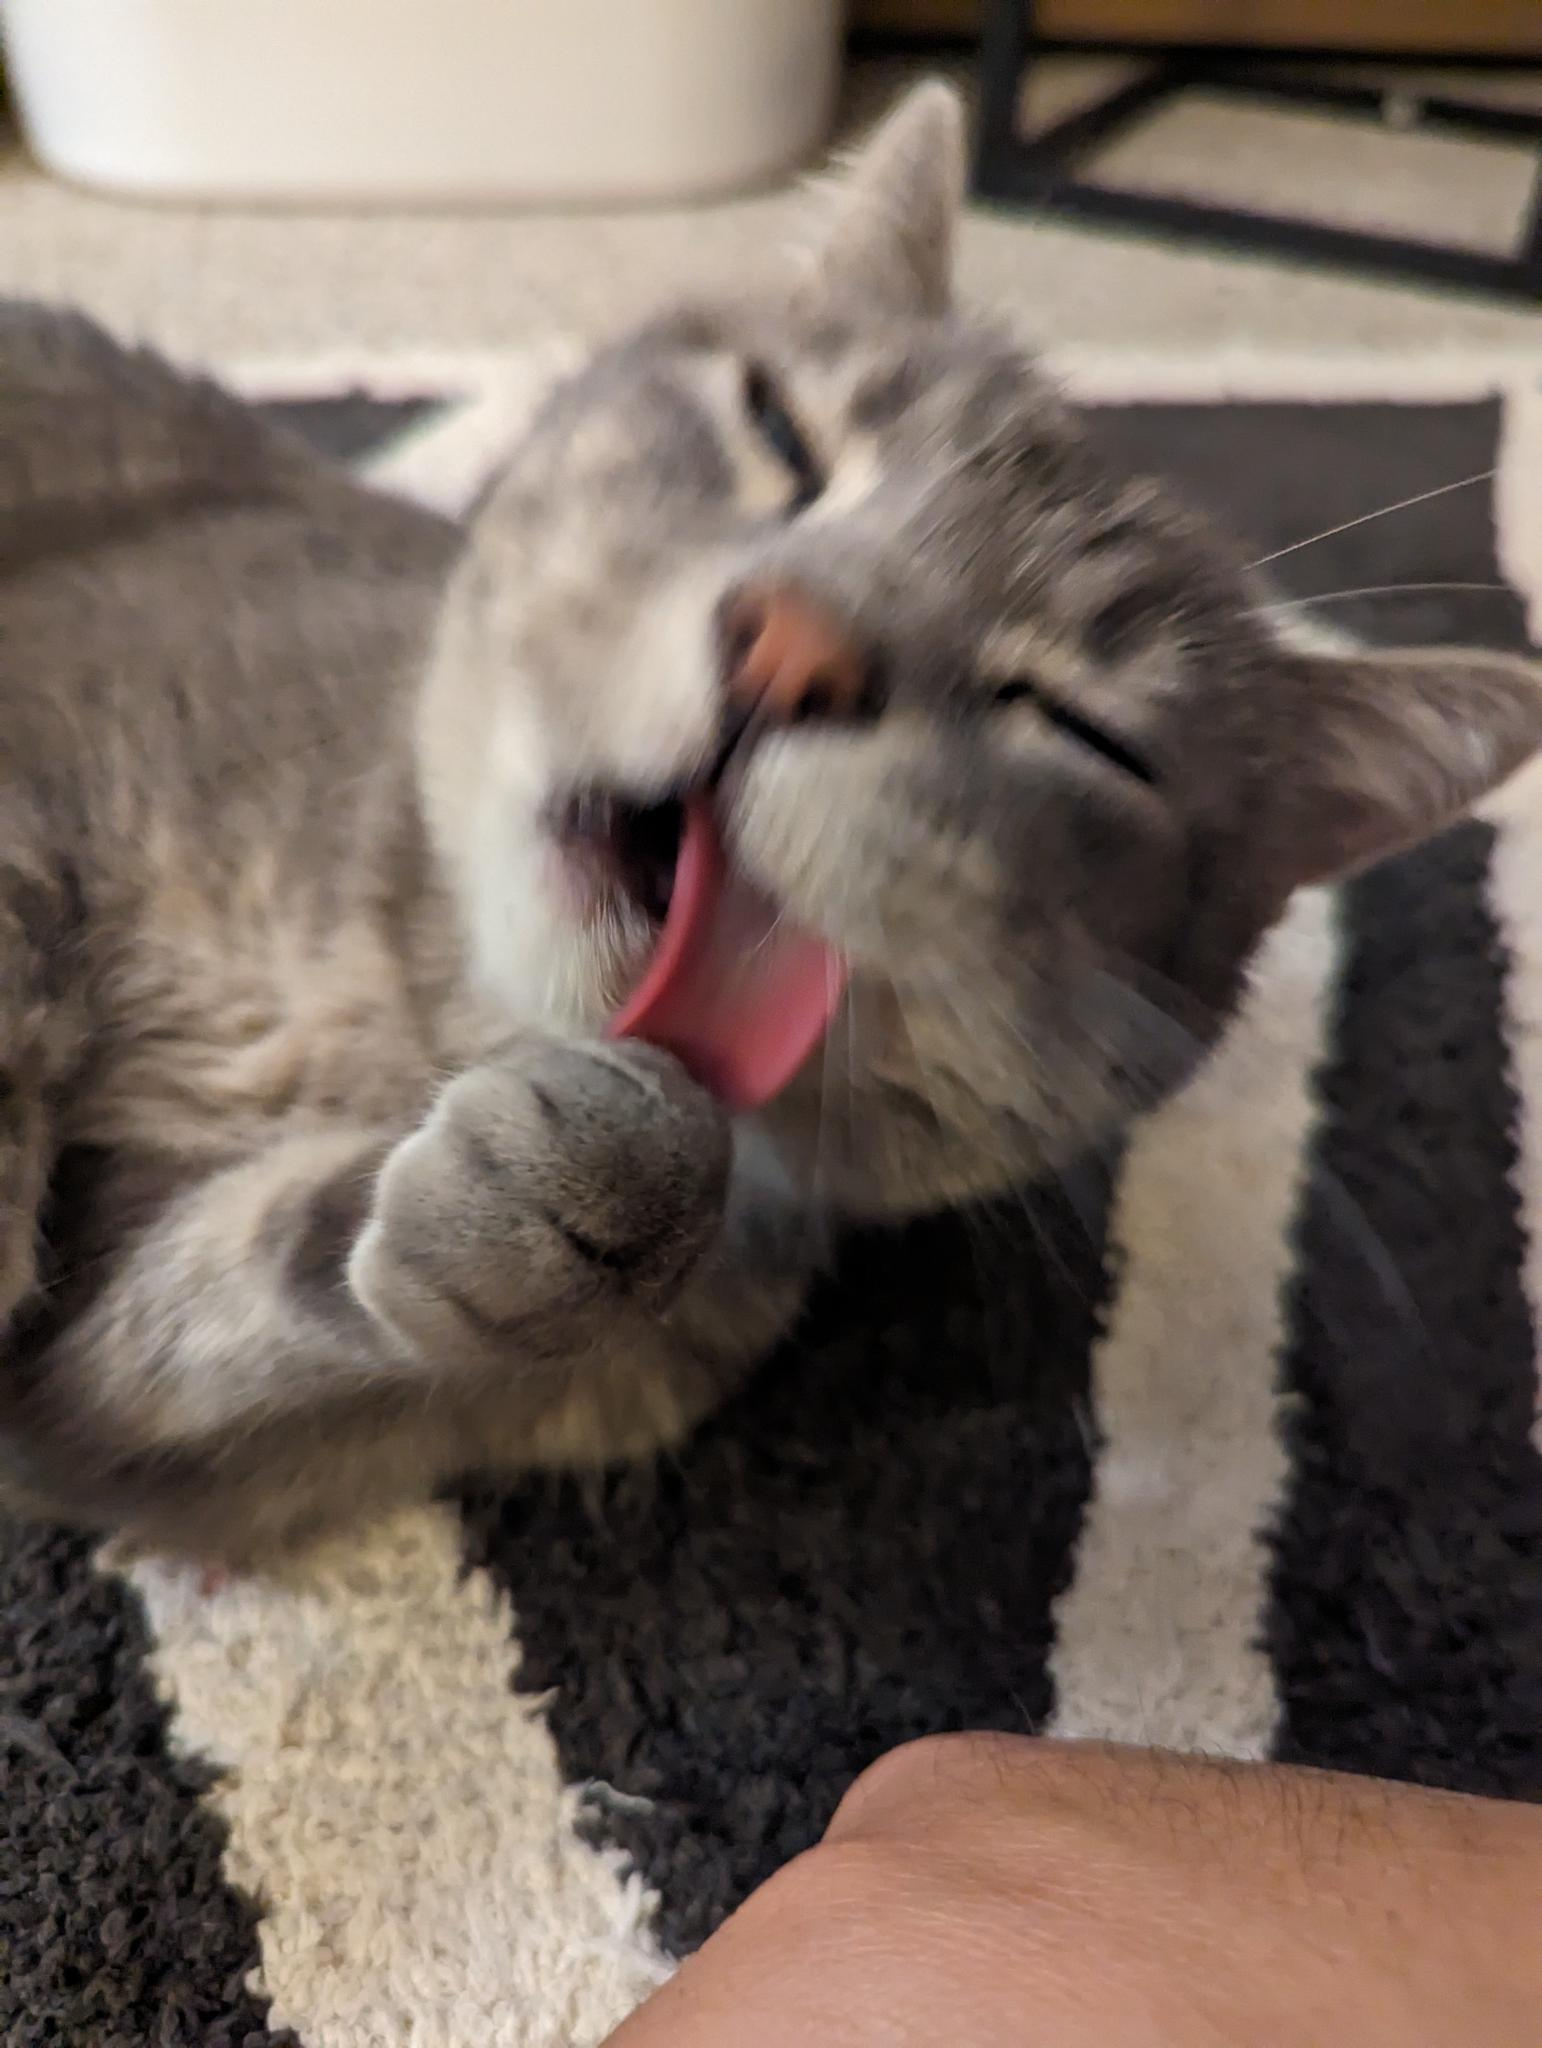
(395, 1807)
(1406, 1625)
(861, 1550)
(1158, 1634)
(117, 1923)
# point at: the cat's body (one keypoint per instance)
(320, 830)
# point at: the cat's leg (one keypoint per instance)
(196, 1319)
(348, 1319)
(212, 1301)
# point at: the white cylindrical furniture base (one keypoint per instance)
(422, 101)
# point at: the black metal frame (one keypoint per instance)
(1043, 170)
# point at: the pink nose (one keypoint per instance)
(788, 660)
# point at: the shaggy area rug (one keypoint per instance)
(1228, 1443)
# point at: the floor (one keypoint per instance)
(222, 284)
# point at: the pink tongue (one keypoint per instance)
(739, 995)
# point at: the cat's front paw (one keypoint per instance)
(546, 1189)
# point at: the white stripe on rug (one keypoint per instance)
(1515, 897)
(1518, 497)
(1158, 1635)
(398, 1812)
(1515, 867)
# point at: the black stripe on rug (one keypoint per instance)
(117, 1928)
(1406, 1626)
(1277, 474)
(863, 1549)
(350, 426)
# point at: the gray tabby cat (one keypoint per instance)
(330, 838)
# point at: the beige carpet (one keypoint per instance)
(218, 284)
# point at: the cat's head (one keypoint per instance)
(1039, 768)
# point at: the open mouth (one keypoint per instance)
(632, 846)
(732, 987)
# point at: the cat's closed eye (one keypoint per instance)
(1084, 732)
(773, 422)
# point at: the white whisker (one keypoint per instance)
(1483, 476)
(768, 934)
(1287, 604)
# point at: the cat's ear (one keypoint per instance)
(882, 236)
(1370, 753)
